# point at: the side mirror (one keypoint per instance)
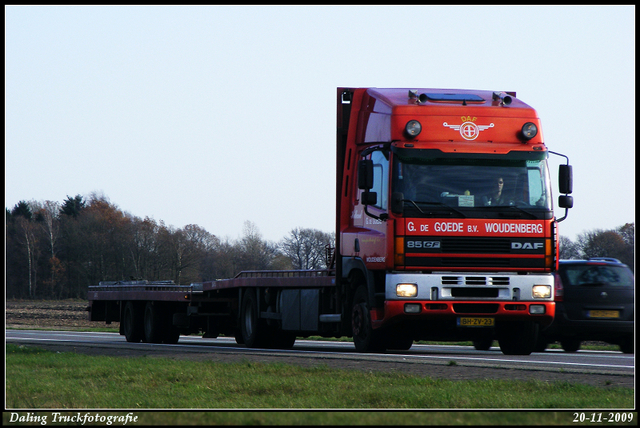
(369, 198)
(365, 174)
(565, 179)
(565, 201)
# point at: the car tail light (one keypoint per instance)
(559, 294)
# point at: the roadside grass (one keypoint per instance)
(40, 379)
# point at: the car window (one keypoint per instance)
(598, 274)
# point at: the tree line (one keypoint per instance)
(618, 243)
(56, 250)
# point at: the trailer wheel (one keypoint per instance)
(132, 321)
(153, 331)
(517, 338)
(365, 338)
(253, 330)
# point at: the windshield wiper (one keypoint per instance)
(510, 207)
(439, 204)
(513, 207)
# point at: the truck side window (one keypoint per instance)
(380, 177)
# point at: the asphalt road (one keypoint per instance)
(600, 368)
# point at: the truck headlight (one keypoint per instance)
(406, 290)
(541, 291)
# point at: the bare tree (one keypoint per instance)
(28, 237)
(30, 242)
(253, 252)
(599, 243)
(307, 248)
(143, 247)
(569, 249)
(48, 217)
(224, 260)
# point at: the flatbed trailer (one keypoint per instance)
(159, 311)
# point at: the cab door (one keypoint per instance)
(372, 221)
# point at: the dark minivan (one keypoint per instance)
(594, 301)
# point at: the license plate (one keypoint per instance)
(604, 314)
(475, 322)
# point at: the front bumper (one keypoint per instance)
(396, 311)
(448, 295)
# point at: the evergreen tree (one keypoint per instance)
(72, 206)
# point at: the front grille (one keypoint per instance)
(475, 245)
(475, 262)
(475, 280)
(433, 252)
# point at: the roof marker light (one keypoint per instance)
(529, 130)
(413, 128)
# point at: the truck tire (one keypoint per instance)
(483, 340)
(365, 338)
(132, 323)
(153, 330)
(517, 338)
(253, 329)
(483, 344)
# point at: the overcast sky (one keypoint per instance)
(219, 115)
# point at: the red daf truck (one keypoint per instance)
(445, 230)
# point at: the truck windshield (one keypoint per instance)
(476, 186)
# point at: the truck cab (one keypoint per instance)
(445, 216)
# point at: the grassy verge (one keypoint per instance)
(48, 380)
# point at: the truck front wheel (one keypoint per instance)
(365, 338)
(517, 338)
